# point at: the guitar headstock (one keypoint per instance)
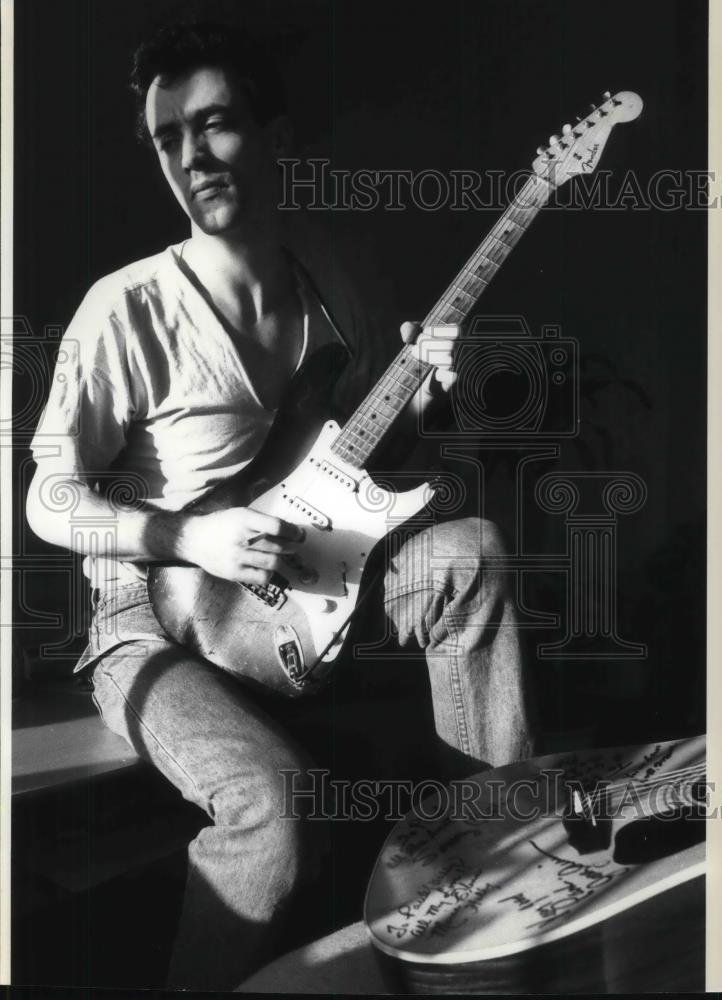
(579, 148)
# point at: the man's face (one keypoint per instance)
(219, 162)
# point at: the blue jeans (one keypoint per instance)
(217, 742)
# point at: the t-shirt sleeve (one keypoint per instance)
(84, 423)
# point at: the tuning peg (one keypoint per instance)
(553, 140)
(541, 149)
(566, 129)
(592, 107)
(606, 95)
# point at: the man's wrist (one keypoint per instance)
(174, 535)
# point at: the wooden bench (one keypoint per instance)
(60, 740)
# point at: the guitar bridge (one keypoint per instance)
(272, 594)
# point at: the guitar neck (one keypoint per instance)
(375, 416)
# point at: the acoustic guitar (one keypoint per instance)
(572, 872)
(286, 636)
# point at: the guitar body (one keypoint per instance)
(286, 639)
(501, 895)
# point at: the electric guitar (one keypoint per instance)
(286, 636)
(574, 872)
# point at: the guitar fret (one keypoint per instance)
(370, 417)
(459, 288)
(372, 414)
(511, 232)
(522, 214)
(443, 316)
(400, 381)
(478, 276)
(369, 421)
(386, 406)
(476, 281)
(488, 261)
(389, 407)
(470, 280)
(376, 413)
(500, 248)
(361, 434)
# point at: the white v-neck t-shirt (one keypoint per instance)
(150, 397)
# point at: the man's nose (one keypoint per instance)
(193, 152)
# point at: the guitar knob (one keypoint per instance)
(540, 150)
(566, 129)
(328, 606)
(553, 140)
(606, 95)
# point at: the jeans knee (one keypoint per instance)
(469, 538)
(255, 794)
(255, 811)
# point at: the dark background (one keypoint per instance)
(458, 85)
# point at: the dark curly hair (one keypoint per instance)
(177, 48)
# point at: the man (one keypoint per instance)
(181, 362)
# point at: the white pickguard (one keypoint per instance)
(345, 514)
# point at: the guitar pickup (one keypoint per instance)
(315, 516)
(342, 478)
(273, 594)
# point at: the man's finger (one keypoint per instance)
(260, 560)
(410, 331)
(259, 577)
(447, 331)
(275, 527)
(445, 378)
(262, 543)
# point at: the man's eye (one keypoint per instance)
(215, 123)
(165, 145)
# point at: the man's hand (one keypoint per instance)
(438, 346)
(239, 544)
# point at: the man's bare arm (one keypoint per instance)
(238, 544)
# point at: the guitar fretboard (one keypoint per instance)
(375, 415)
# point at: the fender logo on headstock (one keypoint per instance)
(588, 164)
(578, 148)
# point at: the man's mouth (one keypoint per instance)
(208, 189)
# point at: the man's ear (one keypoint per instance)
(280, 132)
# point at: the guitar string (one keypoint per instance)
(675, 774)
(644, 784)
(591, 805)
(672, 778)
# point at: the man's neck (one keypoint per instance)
(257, 275)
